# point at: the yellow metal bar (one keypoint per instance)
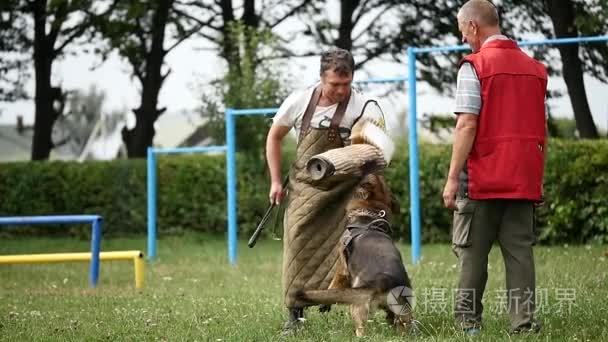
(138, 266)
(62, 257)
(136, 256)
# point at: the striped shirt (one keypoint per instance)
(468, 91)
(468, 88)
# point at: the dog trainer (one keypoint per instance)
(322, 116)
(497, 165)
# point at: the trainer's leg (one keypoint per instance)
(474, 231)
(516, 238)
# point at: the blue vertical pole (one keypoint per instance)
(151, 166)
(231, 184)
(413, 152)
(95, 249)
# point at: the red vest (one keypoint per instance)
(507, 159)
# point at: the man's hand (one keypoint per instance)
(449, 193)
(276, 193)
(464, 135)
(541, 202)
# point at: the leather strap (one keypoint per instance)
(310, 109)
(335, 120)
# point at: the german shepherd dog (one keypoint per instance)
(370, 273)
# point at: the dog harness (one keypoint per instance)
(362, 221)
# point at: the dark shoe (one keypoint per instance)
(294, 322)
(529, 328)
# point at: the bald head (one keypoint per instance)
(481, 11)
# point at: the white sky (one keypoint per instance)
(191, 67)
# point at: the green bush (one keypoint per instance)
(576, 187)
(192, 193)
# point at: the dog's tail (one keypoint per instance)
(336, 296)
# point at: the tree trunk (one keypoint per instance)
(562, 15)
(345, 29)
(229, 48)
(45, 116)
(141, 136)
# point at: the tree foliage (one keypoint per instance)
(250, 84)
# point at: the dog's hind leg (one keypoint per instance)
(404, 323)
(359, 312)
(390, 316)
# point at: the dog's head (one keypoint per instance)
(373, 194)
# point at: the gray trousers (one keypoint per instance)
(477, 225)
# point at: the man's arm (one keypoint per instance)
(273, 158)
(468, 105)
(464, 136)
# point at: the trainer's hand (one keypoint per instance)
(540, 202)
(449, 193)
(276, 193)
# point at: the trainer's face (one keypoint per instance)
(470, 33)
(336, 87)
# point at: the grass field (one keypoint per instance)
(192, 294)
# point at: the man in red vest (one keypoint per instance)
(496, 168)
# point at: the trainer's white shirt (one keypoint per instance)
(291, 112)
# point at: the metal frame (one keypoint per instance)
(412, 122)
(96, 227)
(152, 186)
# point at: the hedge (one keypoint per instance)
(192, 193)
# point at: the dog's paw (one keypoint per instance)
(323, 308)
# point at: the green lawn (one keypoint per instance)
(191, 293)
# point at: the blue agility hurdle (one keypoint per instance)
(412, 118)
(151, 185)
(96, 226)
(231, 172)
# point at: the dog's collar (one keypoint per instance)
(366, 212)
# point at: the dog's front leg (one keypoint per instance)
(359, 312)
(341, 279)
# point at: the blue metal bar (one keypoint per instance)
(151, 179)
(413, 154)
(231, 184)
(383, 80)
(560, 41)
(95, 250)
(96, 223)
(447, 48)
(195, 149)
(257, 111)
(152, 186)
(413, 144)
(555, 41)
(50, 219)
